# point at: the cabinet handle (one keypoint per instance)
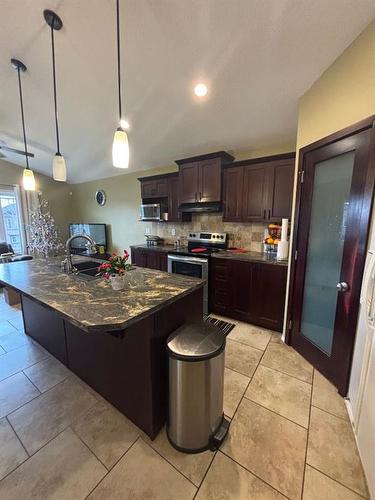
(269, 213)
(200, 196)
(264, 214)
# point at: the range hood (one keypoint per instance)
(200, 207)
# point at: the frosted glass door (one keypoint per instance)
(328, 222)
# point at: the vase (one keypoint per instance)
(117, 282)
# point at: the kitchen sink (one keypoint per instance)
(87, 265)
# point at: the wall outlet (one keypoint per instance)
(173, 231)
(148, 230)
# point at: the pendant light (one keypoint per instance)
(28, 179)
(120, 146)
(58, 163)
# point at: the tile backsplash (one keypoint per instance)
(242, 235)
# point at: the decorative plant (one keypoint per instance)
(116, 266)
(44, 239)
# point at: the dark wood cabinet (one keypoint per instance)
(248, 291)
(259, 190)
(150, 258)
(154, 187)
(255, 187)
(232, 194)
(200, 179)
(174, 215)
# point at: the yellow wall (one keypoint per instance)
(342, 96)
(121, 211)
(57, 193)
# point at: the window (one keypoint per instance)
(11, 228)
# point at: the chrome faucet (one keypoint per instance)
(67, 264)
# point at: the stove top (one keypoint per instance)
(202, 244)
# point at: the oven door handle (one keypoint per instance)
(184, 258)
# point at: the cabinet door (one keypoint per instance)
(209, 189)
(154, 188)
(152, 259)
(173, 213)
(220, 294)
(233, 194)
(161, 187)
(139, 256)
(188, 182)
(241, 287)
(163, 264)
(268, 297)
(281, 191)
(255, 193)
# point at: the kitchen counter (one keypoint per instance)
(250, 257)
(113, 340)
(156, 248)
(92, 304)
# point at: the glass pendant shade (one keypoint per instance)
(120, 149)
(28, 180)
(59, 168)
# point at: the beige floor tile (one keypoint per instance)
(326, 397)
(228, 480)
(43, 418)
(319, 486)
(12, 452)
(106, 432)
(285, 359)
(193, 466)
(14, 340)
(143, 474)
(268, 445)
(276, 337)
(14, 392)
(250, 335)
(5, 326)
(241, 358)
(234, 388)
(17, 321)
(281, 393)
(64, 469)
(47, 373)
(332, 450)
(19, 359)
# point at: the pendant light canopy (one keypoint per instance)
(58, 163)
(120, 146)
(28, 175)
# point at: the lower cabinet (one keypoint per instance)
(153, 259)
(44, 326)
(248, 291)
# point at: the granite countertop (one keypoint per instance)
(92, 304)
(250, 257)
(157, 248)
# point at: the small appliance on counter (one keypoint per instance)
(153, 240)
(283, 246)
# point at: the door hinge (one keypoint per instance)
(296, 255)
(302, 176)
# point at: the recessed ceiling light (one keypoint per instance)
(124, 124)
(200, 90)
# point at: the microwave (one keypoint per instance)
(151, 211)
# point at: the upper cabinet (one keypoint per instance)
(259, 190)
(200, 178)
(154, 187)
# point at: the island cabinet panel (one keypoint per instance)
(44, 326)
(248, 291)
(232, 194)
(129, 368)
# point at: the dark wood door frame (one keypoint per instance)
(366, 124)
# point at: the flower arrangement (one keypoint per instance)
(116, 266)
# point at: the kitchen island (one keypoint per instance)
(114, 341)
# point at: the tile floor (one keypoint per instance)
(290, 436)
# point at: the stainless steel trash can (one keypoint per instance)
(196, 388)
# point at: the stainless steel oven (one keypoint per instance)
(191, 266)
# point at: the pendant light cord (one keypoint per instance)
(118, 60)
(22, 116)
(54, 88)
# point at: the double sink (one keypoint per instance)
(87, 269)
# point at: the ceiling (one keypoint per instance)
(256, 56)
